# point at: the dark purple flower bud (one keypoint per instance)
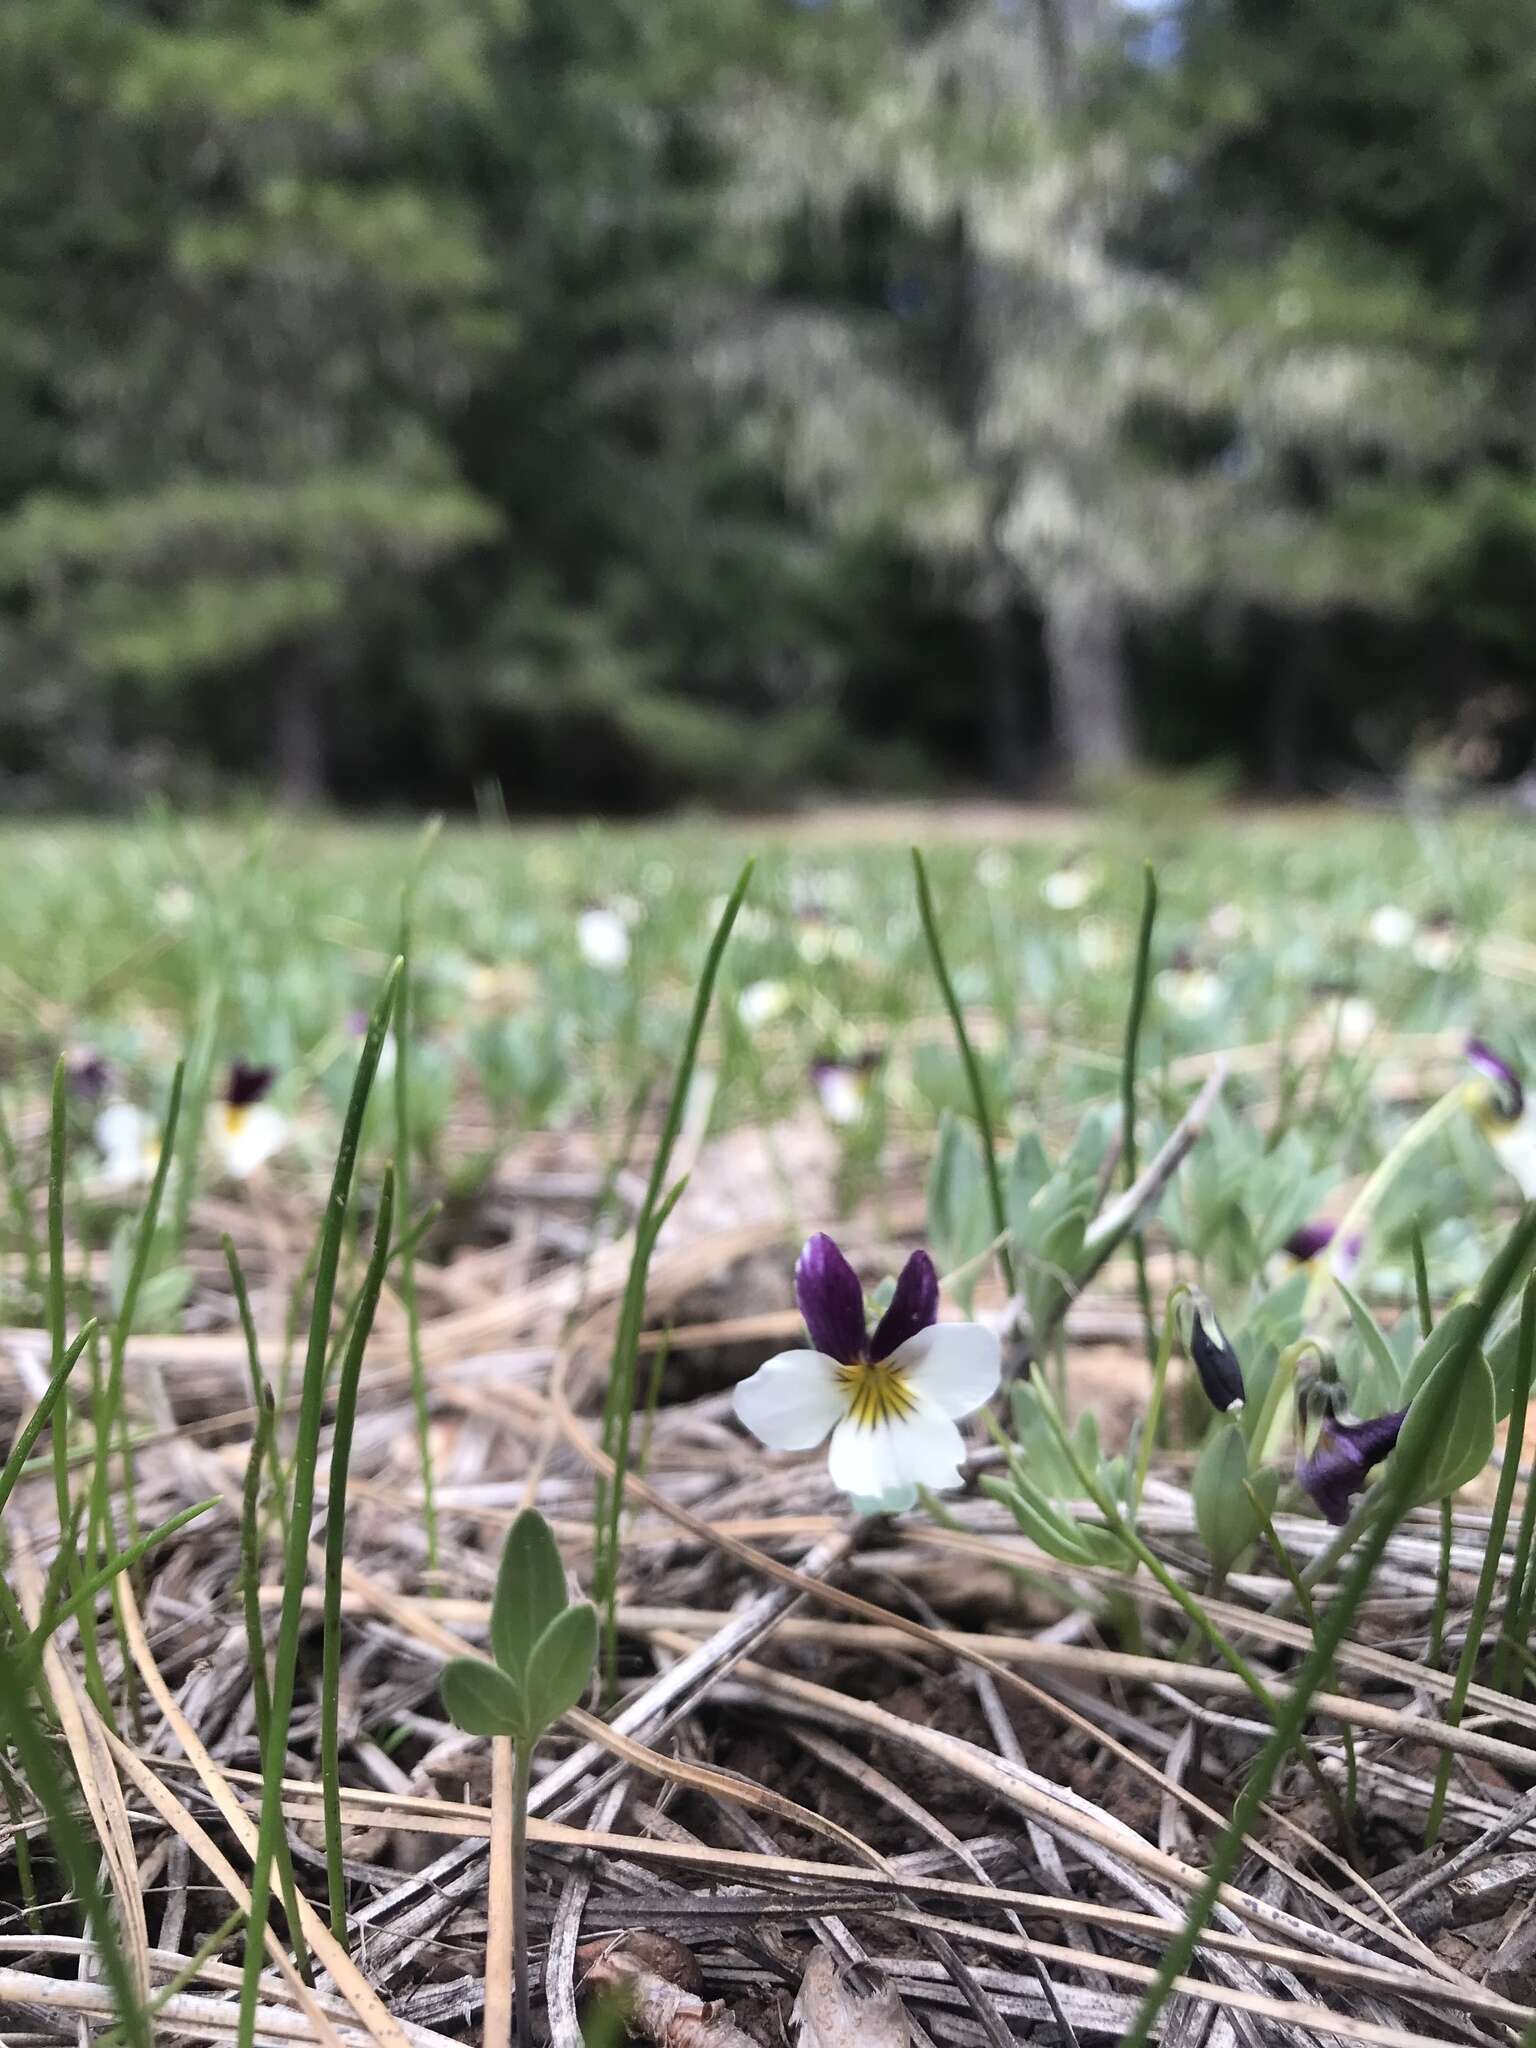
(1341, 1458)
(831, 1300)
(913, 1307)
(247, 1084)
(87, 1073)
(1211, 1354)
(1311, 1238)
(1508, 1095)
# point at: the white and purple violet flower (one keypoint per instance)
(890, 1399)
(247, 1130)
(1503, 1115)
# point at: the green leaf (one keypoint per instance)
(1051, 1269)
(959, 1204)
(1048, 1463)
(1039, 1520)
(1026, 1177)
(1372, 1336)
(1464, 1442)
(484, 1701)
(530, 1591)
(561, 1665)
(1224, 1515)
(1441, 1341)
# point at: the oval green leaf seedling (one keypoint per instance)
(561, 1664)
(483, 1700)
(530, 1591)
(544, 1645)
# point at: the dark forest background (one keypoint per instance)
(618, 402)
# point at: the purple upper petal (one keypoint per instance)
(247, 1084)
(1311, 1238)
(914, 1306)
(88, 1073)
(831, 1300)
(1341, 1459)
(1506, 1082)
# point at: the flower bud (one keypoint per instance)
(1211, 1353)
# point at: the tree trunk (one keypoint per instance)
(1007, 755)
(1090, 702)
(299, 737)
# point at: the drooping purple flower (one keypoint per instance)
(1340, 1460)
(1508, 1094)
(247, 1084)
(1311, 1238)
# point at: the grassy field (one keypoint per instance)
(993, 1741)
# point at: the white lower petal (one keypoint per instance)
(791, 1402)
(896, 1502)
(126, 1139)
(251, 1136)
(953, 1367)
(1515, 1145)
(923, 1449)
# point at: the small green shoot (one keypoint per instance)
(545, 1648)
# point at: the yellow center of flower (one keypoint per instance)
(875, 1393)
(236, 1115)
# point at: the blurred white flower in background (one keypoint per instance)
(247, 1131)
(603, 939)
(1353, 1022)
(842, 1086)
(1100, 944)
(1437, 944)
(992, 868)
(1228, 922)
(129, 1144)
(175, 903)
(1391, 926)
(760, 1002)
(1191, 992)
(821, 942)
(1070, 886)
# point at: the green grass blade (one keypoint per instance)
(56, 1163)
(1128, 1065)
(124, 1560)
(618, 1408)
(979, 1106)
(1482, 1599)
(21, 1209)
(74, 1851)
(335, 1556)
(37, 1421)
(256, 1645)
(404, 1014)
(306, 1449)
(261, 1394)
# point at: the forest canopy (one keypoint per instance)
(616, 404)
